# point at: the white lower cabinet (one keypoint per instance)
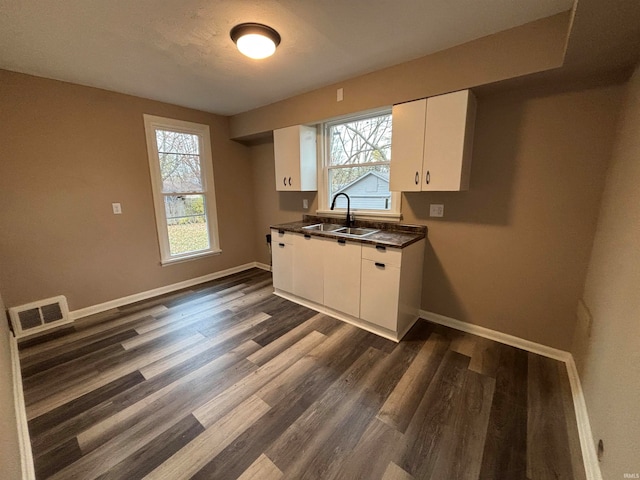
(342, 261)
(375, 287)
(282, 259)
(379, 294)
(391, 286)
(308, 267)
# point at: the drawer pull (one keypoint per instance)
(341, 241)
(381, 248)
(306, 235)
(381, 265)
(281, 244)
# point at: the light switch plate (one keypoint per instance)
(117, 208)
(339, 95)
(305, 203)
(436, 210)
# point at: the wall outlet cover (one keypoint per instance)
(117, 208)
(436, 210)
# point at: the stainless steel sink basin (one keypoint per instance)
(324, 227)
(356, 232)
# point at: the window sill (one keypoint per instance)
(188, 258)
(369, 215)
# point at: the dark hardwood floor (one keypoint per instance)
(228, 381)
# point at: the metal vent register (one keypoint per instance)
(39, 316)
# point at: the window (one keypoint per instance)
(182, 181)
(356, 161)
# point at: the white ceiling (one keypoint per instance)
(179, 51)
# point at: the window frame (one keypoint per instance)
(151, 124)
(324, 200)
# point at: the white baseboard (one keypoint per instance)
(591, 466)
(137, 297)
(592, 469)
(26, 456)
(382, 332)
(497, 336)
(263, 266)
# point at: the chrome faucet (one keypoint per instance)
(333, 204)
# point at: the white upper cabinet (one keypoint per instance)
(295, 155)
(431, 143)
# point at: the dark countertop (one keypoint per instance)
(389, 234)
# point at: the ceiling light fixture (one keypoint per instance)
(255, 40)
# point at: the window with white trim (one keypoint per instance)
(181, 170)
(356, 161)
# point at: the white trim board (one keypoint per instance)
(26, 455)
(497, 336)
(369, 327)
(592, 469)
(137, 297)
(591, 466)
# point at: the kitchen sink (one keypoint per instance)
(356, 232)
(324, 227)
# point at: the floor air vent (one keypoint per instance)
(39, 316)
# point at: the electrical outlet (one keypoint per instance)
(117, 208)
(436, 210)
(340, 95)
(305, 203)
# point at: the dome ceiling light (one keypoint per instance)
(255, 40)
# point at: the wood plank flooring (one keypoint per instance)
(228, 381)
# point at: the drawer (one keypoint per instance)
(280, 236)
(386, 255)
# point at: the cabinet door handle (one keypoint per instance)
(427, 177)
(306, 235)
(341, 241)
(284, 181)
(281, 244)
(381, 265)
(280, 232)
(417, 178)
(289, 181)
(381, 248)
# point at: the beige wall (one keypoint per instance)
(9, 443)
(511, 253)
(67, 153)
(533, 47)
(609, 360)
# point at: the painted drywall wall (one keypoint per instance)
(534, 47)
(272, 207)
(10, 465)
(511, 253)
(609, 359)
(67, 153)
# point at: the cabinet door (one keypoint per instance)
(282, 268)
(295, 158)
(380, 294)
(407, 146)
(286, 148)
(308, 268)
(448, 141)
(342, 276)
